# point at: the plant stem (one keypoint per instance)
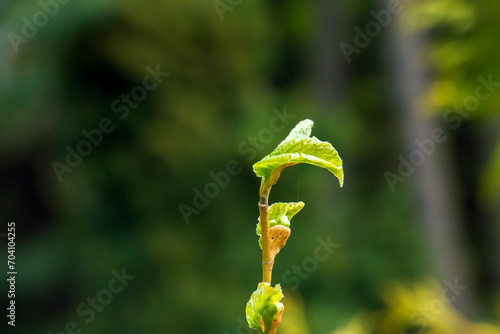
(267, 261)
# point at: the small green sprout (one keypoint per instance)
(264, 309)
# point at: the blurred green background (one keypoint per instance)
(378, 78)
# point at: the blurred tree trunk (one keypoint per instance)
(437, 188)
(489, 142)
(328, 62)
(496, 243)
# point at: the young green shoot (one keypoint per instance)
(264, 309)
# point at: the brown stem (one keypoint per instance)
(267, 261)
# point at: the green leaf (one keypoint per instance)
(264, 303)
(280, 214)
(298, 147)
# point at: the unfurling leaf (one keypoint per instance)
(280, 214)
(264, 306)
(277, 319)
(278, 236)
(298, 147)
